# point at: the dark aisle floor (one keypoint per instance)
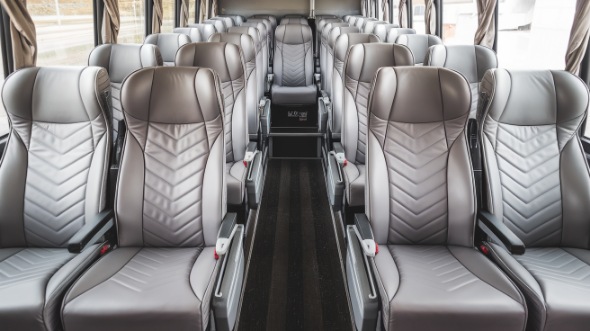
(295, 278)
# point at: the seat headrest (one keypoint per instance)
(345, 41)
(293, 20)
(381, 30)
(293, 34)
(419, 44)
(205, 29)
(394, 33)
(168, 43)
(223, 57)
(364, 59)
(328, 28)
(193, 33)
(218, 24)
(244, 41)
(251, 31)
(470, 60)
(122, 60)
(336, 32)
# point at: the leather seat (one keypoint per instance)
(330, 42)
(120, 61)
(260, 57)
(318, 32)
(538, 181)
(360, 23)
(294, 20)
(293, 66)
(361, 64)
(472, 61)
(193, 33)
(325, 53)
(219, 25)
(169, 205)
(270, 32)
(228, 21)
(418, 44)
(168, 43)
(381, 30)
(205, 29)
(237, 19)
(421, 207)
(225, 59)
(352, 19)
(52, 186)
(265, 44)
(248, 51)
(270, 18)
(393, 34)
(340, 49)
(370, 26)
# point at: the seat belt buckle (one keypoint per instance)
(341, 159)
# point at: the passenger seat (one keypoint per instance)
(265, 43)
(237, 19)
(418, 44)
(381, 30)
(293, 20)
(318, 32)
(394, 33)
(205, 29)
(168, 43)
(261, 69)
(193, 33)
(325, 52)
(219, 25)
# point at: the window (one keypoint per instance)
(168, 15)
(65, 31)
(418, 10)
(132, 21)
(192, 11)
(395, 11)
(533, 34)
(459, 22)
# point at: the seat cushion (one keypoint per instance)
(556, 283)
(143, 289)
(445, 288)
(32, 284)
(354, 181)
(294, 95)
(236, 182)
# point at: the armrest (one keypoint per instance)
(269, 80)
(90, 232)
(227, 230)
(318, 78)
(364, 233)
(502, 232)
(264, 110)
(254, 180)
(251, 151)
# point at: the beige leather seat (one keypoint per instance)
(193, 33)
(168, 43)
(205, 29)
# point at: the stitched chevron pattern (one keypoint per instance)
(230, 91)
(528, 160)
(175, 159)
(360, 91)
(32, 265)
(59, 161)
(416, 156)
(556, 267)
(293, 57)
(151, 269)
(116, 107)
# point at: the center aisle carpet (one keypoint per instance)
(295, 279)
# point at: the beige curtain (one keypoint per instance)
(111, 21)
(22, 33)
(403, 13)
(157, 16)
(430, 17)
(184, 13)
(214, 8)
(385, 10)
(578, 42)
(203, 10)
(364, 7)
(486, 30)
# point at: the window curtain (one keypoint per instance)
(385, 10)
(214, 8)
(184, 13)
(22, 33)
(203, 10)
(578, 42)
(403, 13)
(486, 30)
(430, 17)
(157, 16)
(364, 8)
(111, 22)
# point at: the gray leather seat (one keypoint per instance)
(193, 33)
(472, 61)
(538, 182)
(340, 48)
(318, 31)
(325, 52)
(360, 23)
(352, 19)
(361, 64)
(270, 32)
(169, 205)
(418, 44)
(205, 29)
(265, 43)
(381, 30)
(293, 66)
(260, 57)
(370, 26)
(421, 208)
(168, 43)
(219, 25)
(293, 20)
(120, 61)
(330, 42)
(52, 185)
(226, 60)
(227, 21)
(270, 18)
(248, 51)
(394, 33)
(237, 19)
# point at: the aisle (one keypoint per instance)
(295, 279)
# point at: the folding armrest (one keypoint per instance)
(264, 110)
(324, 109)
(335, 180)
(92, 231)
(254, 183)
(493, 227)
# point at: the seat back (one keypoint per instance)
(237, 19)
(324, 51)
(120, 61)
(419, 44)
(269, 33)
(205, 29)
(340, 49)
(536, 175)
(472, 61)
(353, 18)
(293, 62)
(419, 186)
(394, 33)
(270, 18)
(218, 24)
(381, 30)
(293, 20)
(54, 166)
(226, 60)
(168, 43)
(264, 43)
(370, 26)
(171, 186)
(260, 54)
(331, 40)
(318, 31)
(362, 22)
(248, 50)
(360, 66)
(228, 21)
(193, 33)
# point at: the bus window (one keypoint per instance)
(459, 22)
(168, 15)
(132, 21)
(192, 11)
(418, 16)
(65, 31)
(533, 34)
